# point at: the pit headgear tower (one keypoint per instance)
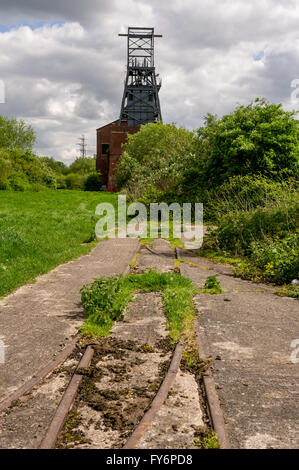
(140, 103)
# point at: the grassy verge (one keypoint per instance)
(40, 230)
(106, 299)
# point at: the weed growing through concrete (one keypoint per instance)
(106, 299)
(212, 286)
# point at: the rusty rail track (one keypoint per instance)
(40, 375)
(159, 399)
(66, 403)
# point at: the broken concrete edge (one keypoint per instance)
(49, 368)
(128, 268)
(40, 375)
(159, 399)
(66, 403)
(216, 414)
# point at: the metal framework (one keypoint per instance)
(140, 103)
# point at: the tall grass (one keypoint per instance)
(40, 230)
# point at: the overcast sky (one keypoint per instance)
(63, 64)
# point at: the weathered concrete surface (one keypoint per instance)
(23, 425)
(161, 258)
(37, 319)
(249, 331)
(177, 421)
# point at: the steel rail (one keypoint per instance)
(40, 375)
(66, 402)
(159, 399)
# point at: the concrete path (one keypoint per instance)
(38, 319)
(249, 331)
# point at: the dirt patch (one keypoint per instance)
(115, 393)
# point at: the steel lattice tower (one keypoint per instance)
(140, 103)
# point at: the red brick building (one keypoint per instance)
(109, 149)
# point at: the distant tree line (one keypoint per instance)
(21, 169)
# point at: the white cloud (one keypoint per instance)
(66, 78)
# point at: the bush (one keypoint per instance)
(61, 182)
(244, 193)
(236, 230)
(22, 170)
(74, 181)
(83, 165)
(260, 138)
(17, 183)
(154, 160)
(92, 183)
(276, 261)
(279, 259)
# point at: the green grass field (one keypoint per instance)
(40, 230)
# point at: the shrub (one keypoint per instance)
(74, 181)
(236, 230)
(154, 160)
(61, 182)
(279, 259)
(83, 165)
(260, 138)
(18, 183)
(92, 183)
(22, 170)
(244, 193)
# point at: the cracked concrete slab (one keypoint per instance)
(249, 331)
(38, 319)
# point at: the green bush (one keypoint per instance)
(22, 170)
(260, 138)
(154, 160)
(74, 181)
(61, 182)
(244, 193)
(83, 165)
(236, 230)
(92, 183)
(278, 259)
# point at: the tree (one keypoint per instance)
(260, 138)
(16, 134)
(154, 159)
(55, 165)
(83, 165)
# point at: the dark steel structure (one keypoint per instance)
(140, 103)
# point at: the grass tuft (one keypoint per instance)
(106, 299)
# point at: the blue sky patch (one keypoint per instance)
(259, 56)
(38, 24)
